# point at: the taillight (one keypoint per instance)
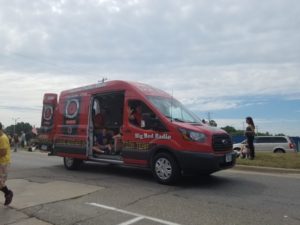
(292, 145)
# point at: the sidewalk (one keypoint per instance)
(10, 216)
(29, 194)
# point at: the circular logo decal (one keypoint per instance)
(48, 112)
(72, 108)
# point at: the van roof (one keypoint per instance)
(141, 88)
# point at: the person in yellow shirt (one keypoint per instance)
(4, 162)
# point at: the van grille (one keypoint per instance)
(221, 142)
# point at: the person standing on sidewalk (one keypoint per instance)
(4, 162)
(250, 133)
(16, 141)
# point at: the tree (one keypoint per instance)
(212, 123)
(21, 126)
(229, 129)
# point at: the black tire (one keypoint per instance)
(279, 150)
(165, 168)
(72, 164)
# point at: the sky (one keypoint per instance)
(224, 60)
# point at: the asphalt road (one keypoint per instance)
(131, 196)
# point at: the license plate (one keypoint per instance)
(44, 147)
(228, 157)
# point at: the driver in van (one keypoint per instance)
(103, 142)
(135, 115)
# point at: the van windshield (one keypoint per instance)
(173, 109)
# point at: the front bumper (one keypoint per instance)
(205, 163)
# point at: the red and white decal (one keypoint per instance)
(48, 112)
(72, 108)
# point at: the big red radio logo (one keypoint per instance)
(47, 118)
(72, 108)
(71, 116)
(48, 112)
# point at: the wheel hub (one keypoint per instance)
(163, 168)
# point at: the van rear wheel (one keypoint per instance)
(165, 168)
(72, 164)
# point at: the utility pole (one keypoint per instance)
(209, 116)
(15, 119)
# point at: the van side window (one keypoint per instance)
(279, 140)
(263, 140)
(140, 115)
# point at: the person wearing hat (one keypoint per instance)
(4, 162)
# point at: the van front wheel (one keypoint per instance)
(72, 164)
(165, 169)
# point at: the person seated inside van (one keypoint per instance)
(135, 115)
(117, 142)
(98, 120)
(103, 142)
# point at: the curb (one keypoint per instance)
(27, 150)
(266, 169)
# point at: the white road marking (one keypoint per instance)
(138, 216)
(132, 221)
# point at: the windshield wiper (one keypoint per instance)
(175, 119)
(178, 120)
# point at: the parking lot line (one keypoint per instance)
(132, 221)
(137, 215)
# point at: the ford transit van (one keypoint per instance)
(164, 137)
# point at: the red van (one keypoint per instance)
(142, 126)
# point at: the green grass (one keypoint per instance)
(277, 160)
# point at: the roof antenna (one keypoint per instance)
(172, 105)
(103, 80)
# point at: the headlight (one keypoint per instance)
(190, 135)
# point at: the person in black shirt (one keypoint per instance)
(103, 142)
(250, 133)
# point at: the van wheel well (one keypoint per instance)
(279, 150)
(162, 150)
(72, 164)
(165, 167)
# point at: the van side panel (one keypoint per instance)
(70, 138)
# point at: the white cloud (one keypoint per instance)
(210, 54)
